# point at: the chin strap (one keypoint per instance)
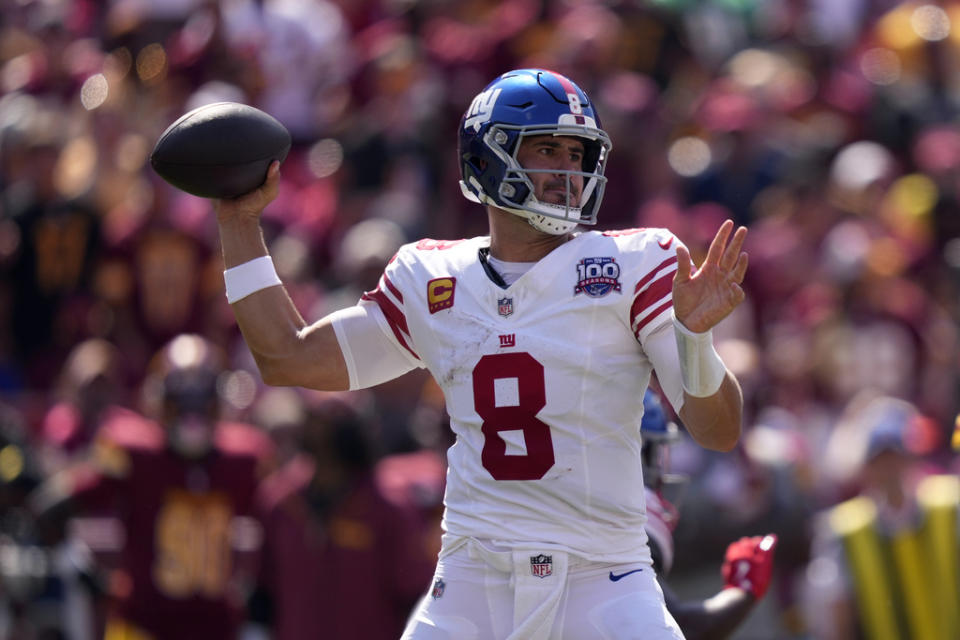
(539, 221)
(551, 225)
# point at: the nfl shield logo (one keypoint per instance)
(505, 306)
(438, 586)
(541, 565)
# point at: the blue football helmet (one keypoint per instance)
(531, 102)
(658, 433)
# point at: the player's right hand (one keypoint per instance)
(748, 564)
(250, 205)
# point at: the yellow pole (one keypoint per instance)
(853, 521)
(916, 585)
(939, 498)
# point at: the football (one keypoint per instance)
(220, 150)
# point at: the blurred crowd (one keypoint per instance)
(829, 127)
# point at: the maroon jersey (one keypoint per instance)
(176, 575)
(355, 574)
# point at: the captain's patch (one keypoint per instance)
(440, 293)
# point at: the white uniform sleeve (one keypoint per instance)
(371, 352)
(661, 348)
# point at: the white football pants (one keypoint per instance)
(483, 594)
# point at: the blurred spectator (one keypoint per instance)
(364, 249)
(281, 411)
(177, 485)
(339, 559)
(418, 478)
(52, 237)
(43, 591)
(877, 565)
(302, 55)
(91, 383)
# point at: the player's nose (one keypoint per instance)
(566, 163)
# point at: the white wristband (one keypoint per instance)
(701, 369)
(250, 277)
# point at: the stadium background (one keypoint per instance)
(829, 127)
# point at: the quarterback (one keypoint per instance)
(543, 338)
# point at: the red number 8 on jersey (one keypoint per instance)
(531, 397)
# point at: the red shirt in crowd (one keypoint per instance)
(356, 572)
(175, 577)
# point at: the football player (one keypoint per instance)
(543, 339)
(748, 562)
(339, 559)
(176, 484)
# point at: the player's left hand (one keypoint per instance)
(703, 298)
(748, 564)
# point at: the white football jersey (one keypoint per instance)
(543, 380)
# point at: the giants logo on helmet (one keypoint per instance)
(481, 108)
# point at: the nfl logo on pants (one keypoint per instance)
(541, 565)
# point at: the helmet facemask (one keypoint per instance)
(191, 406)
(517, 192)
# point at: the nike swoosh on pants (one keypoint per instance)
(614, 577)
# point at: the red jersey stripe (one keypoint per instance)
(653, 272)
(394, 314)
(395, 317)
(655, 292)
(659, 288)
(653, 314)
(396, 292)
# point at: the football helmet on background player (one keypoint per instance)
(181, 391)
(531, 102)
(658, 434)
